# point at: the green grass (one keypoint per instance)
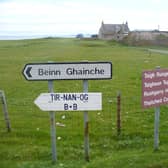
(29, 146)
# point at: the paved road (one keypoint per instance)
(158, 51)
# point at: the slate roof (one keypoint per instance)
(114, 28)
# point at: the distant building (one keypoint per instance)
(94, 36)
(80, 36)
(113, 31)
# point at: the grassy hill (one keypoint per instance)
(29, 146)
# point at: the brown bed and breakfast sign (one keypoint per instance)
(154, 88)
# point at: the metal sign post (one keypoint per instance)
(53, 129)
(68, 101)
(156, 125)
(86, 125)
(154, 94)
(156, 128)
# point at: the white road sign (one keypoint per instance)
(73, 71)
(69, 101)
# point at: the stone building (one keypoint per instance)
(113, 31)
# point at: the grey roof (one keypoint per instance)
(114, 28)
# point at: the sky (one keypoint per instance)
(70, 17)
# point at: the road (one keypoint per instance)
(158, 51)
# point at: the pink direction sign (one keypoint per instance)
(154, 88)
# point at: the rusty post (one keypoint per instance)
(86, 125)
(118, 113)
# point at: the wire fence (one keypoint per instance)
(133, 118)
(136, 125)
(104, 121)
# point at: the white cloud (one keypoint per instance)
(80, 16)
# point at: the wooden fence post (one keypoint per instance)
(5, 110)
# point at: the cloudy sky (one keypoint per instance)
(62, 17)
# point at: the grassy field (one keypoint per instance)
(29, 146)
